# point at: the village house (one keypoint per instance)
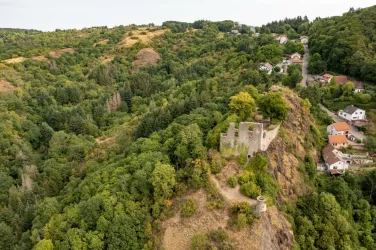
(296, 56)
(340, 80)
(339, 128)
(326, 78)
(352, 113)
(333, 160)
(358, 87)
(266, 67)
(282, 39)
(234, 32)
(338, 141)
(297, 61)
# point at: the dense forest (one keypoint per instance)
(94, 147)
(346, 44)
(293, 27)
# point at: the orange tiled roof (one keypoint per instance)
(341, 126)
(333, 139)
(341, 79)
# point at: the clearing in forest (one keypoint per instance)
(146, 57)
(101, 42)
(58, 53)
(6, 87)
(141, 35)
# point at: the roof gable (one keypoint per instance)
(351, 109)
(341, 126)
(333, 139)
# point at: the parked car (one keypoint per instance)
(373, 155)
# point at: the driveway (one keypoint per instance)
(357, 134)
(305, 66)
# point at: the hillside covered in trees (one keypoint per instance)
(103, 130)
(346, 44)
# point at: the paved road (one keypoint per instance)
(335, 118)
(305, 66)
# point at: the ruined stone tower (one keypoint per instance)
(260, 206)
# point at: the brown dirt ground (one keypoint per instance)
(107, 141)
(146, 57)
(107, 59)
(270, 232)
(179, 231)
(58, 53)
(128, 41)
(102, 42)
(40, 58)
(6, 87)
(15, 60)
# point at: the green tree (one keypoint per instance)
(243, 105)
(163, 181)
(44, 245)
(274, 106)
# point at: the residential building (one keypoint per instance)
(340, 80)
(334, 160)
(266, 67)
(338, 128)
(282, 39)
(297, 61)
(234, 32)
(352, 113)
(338, 141)
(358, 87)
(296, 56)
(326, 78)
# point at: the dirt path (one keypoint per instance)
(232, 194)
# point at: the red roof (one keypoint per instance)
(297, 61)
(334, 139)
(341, 79)
(341, 126)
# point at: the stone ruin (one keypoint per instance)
(250, 135)
(260, 205)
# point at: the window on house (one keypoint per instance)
(236, 134)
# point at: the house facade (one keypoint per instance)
(296, 56)
(334, 161)
(338, 128)
(266, 67)
(326, 78)
(358, 87)
(283, 39)
(352, 113)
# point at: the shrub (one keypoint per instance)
(250, 189)
(218, 236)
(143, 33)
(217, 163)
(232, 182)
(189, 208)
(241, 214)
(245, 177)
(200, 242)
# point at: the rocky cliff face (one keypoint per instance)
(293, 143)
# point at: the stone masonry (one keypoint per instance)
(255, 140)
